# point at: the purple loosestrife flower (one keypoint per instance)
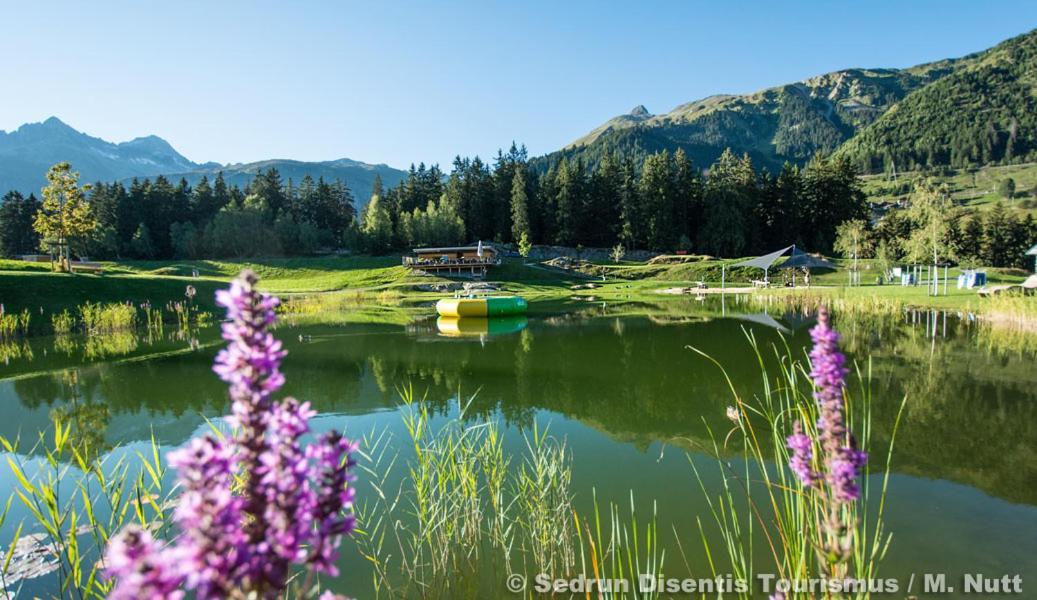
(251, 365)
(843, 461)
(332, 515)
(802, 459)
(289, 500)
(141, 569)
(212, 545)
(844, 469)
(256, 504)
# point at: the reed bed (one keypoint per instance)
(761, 508)
(465, 513)
(15, 350)
(1010, 311)
(63, 322)
(13, 325)
(76, 500)
(106, 318)
(330, 302)
(95, 318)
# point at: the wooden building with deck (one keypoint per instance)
(473, 261)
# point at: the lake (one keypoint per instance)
(635, 407)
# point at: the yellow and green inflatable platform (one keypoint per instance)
(490, 306)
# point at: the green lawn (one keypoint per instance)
(976, 188)
(34, 287)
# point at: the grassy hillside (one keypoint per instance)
(786, 123)
(973, 188)
(979, 109)
(985, 111)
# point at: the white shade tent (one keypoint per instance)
(797, 260)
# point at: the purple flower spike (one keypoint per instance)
(288, 496)
(213, 544)
(256, 505)
(333, 515)
(801, 461)
(845, 467)
(137, 563)
(843, 461)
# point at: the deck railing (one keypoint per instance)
(438, 263)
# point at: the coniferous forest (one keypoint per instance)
(664, 203)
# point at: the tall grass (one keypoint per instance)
(106, 318)
(1010, 311)
(13, 325)
(76, 499)
(761, 509)
(63, 322)
(95, 317)
(454, 506)
(841, 303)
(466, 513)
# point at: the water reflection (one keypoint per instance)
(615, 379)
(622, 368)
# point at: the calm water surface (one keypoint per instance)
(632, 402)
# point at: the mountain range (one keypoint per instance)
(977, 109)
(27, 153)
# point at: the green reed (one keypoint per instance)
(625, 550)
(465, 512)
(76, 499)
(13, 325)
(95, 317)
(106, 318)
(761, 506)
(63, 322)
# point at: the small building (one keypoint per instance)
(1033, 252)
(474, 261)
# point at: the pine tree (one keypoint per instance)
(971, 241)
(17, 235)
(724, 230)
(657, 191)
(569, 190)
(687, 189)
(632, 214)
(519, 206)
(605, 206)
(997, 237)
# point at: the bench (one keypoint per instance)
(88, 267)
(761, 283)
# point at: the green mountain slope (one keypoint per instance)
(786, 123)
(979, 109)
(984, 112)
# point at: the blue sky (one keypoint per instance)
(401, 82)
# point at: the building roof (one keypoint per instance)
(453, 249)
(1032, 251)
